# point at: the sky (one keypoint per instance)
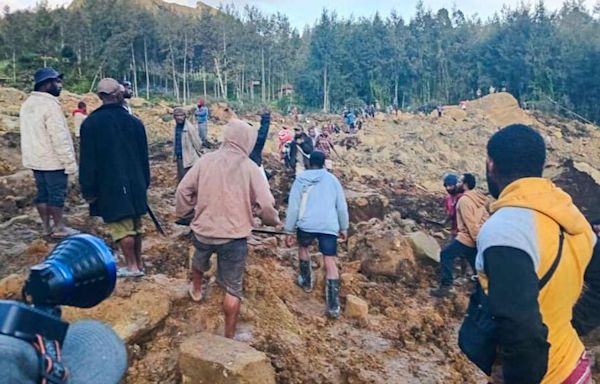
(302, 12)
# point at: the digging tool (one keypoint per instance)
(155, 221)
(269, 231)
(434, 222)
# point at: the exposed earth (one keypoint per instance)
(392, 173)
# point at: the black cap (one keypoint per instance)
(47, 73)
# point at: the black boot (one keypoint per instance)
(332, 298)
(305, 278)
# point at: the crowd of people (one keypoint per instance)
(534, 259)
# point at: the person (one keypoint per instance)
(261, 140)
(536, 237)
(127, 95)
(202, 117)
(285, 136)
(47, 149)
(300, 151)
(471, 213)
(313, 135)
(317, 209)
(188, 147)
(453, 195)
(220, 193)
(79, 114)
(440, 110)
(325, 145)
(350, 120)
(91, 352)
(115, 172)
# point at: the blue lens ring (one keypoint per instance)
(104, 252)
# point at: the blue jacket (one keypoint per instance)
(202, 114)
(325, 209)
(350, 118)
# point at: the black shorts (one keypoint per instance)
(327, 243)
(51, 187)
(231, 263)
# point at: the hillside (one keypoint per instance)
(391, 172)
(161, 6)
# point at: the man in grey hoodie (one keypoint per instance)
(317, 209)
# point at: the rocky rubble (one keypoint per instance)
(391, 330)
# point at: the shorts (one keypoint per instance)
(51, 187)
(231, 263)
(327, 243)
(131, 226)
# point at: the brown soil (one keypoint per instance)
(396, 162)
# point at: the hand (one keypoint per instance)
(71, 169)
(343, 235)
(290, 240)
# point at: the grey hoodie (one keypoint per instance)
(317, 204)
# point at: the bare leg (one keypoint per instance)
(303, 253)
(331, 268)
(45, 216)
(197, 282)
(231, 307)
(138, 252)
(57, 218)
(127, 245)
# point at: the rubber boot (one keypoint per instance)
(305, 278)
(332, 298)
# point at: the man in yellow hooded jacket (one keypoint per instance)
(536, 237)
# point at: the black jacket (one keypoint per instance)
(114, 166)
(263, 132)
(306, 147)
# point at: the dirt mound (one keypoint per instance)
(501, 109)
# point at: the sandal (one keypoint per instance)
(124, 272)
(195, 297)
(63, 233)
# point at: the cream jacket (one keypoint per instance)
(46, 143)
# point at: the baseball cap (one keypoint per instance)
(109, 86)
(92, 352)
(46, 73)
(450, 180)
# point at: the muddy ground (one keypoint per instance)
(391, 171)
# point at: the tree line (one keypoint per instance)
(247, 57)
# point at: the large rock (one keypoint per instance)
(356, 307)
(134, 311)
(11, 286)
(207, 358)
(365, 206)
(424, 245)
(384, 254)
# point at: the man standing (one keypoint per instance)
(471, 213)
(47, 149)
(220, 192)
(202, 117)
(79, 115)
(450, 184)
(535, 255)
(187, 144)
(300, 150)
(127, 95)
(115, 173)
(317, 209)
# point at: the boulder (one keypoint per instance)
(11, 286)
(356, 307)
(384, 254)
(424, 245)
(208, 358)
(365, 206)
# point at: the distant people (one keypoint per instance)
(300, 151)
(440, 110)
(284, 137)
(478, 93)
(492, 89)
(377, 106)
(471, 213)
(127, 95)
(463, 105)
(350, 120)
(261, 140)
(79, 114)
(219, 195)
(314, 135)
(202, 118)
(115, 172)
(538, 262)
(47, 149)
(317, 210)
(188, 147)
(325, 145)
(371, 111)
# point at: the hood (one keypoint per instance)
(311, 176)
(239, 136)
(543, 196)
(477, 196)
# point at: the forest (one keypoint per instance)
(546, 59)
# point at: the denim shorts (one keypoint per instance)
(51, 187)
(327, 243)
(231, 263)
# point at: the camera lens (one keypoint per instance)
(80, 272)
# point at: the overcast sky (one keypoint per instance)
(303, 12)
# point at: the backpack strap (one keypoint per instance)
(546, 278)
